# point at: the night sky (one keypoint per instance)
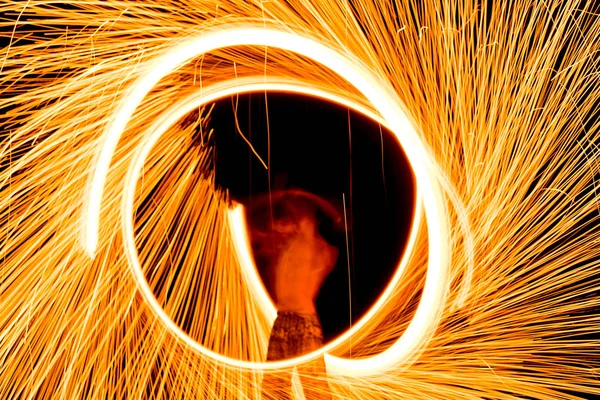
(333, 152)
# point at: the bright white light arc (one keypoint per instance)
(238, 228)
(388, 106)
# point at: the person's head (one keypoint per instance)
(291, 212)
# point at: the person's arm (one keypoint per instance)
(301, 263)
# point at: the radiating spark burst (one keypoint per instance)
(504, 99)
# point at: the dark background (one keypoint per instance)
(331, 151)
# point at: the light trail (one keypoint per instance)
(496, 106)
(395, 355)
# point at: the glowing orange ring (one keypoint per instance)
(427, 313)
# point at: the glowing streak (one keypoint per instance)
(427, 313)
(241, 245)
(396, 353)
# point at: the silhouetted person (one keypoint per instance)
(295, 259)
